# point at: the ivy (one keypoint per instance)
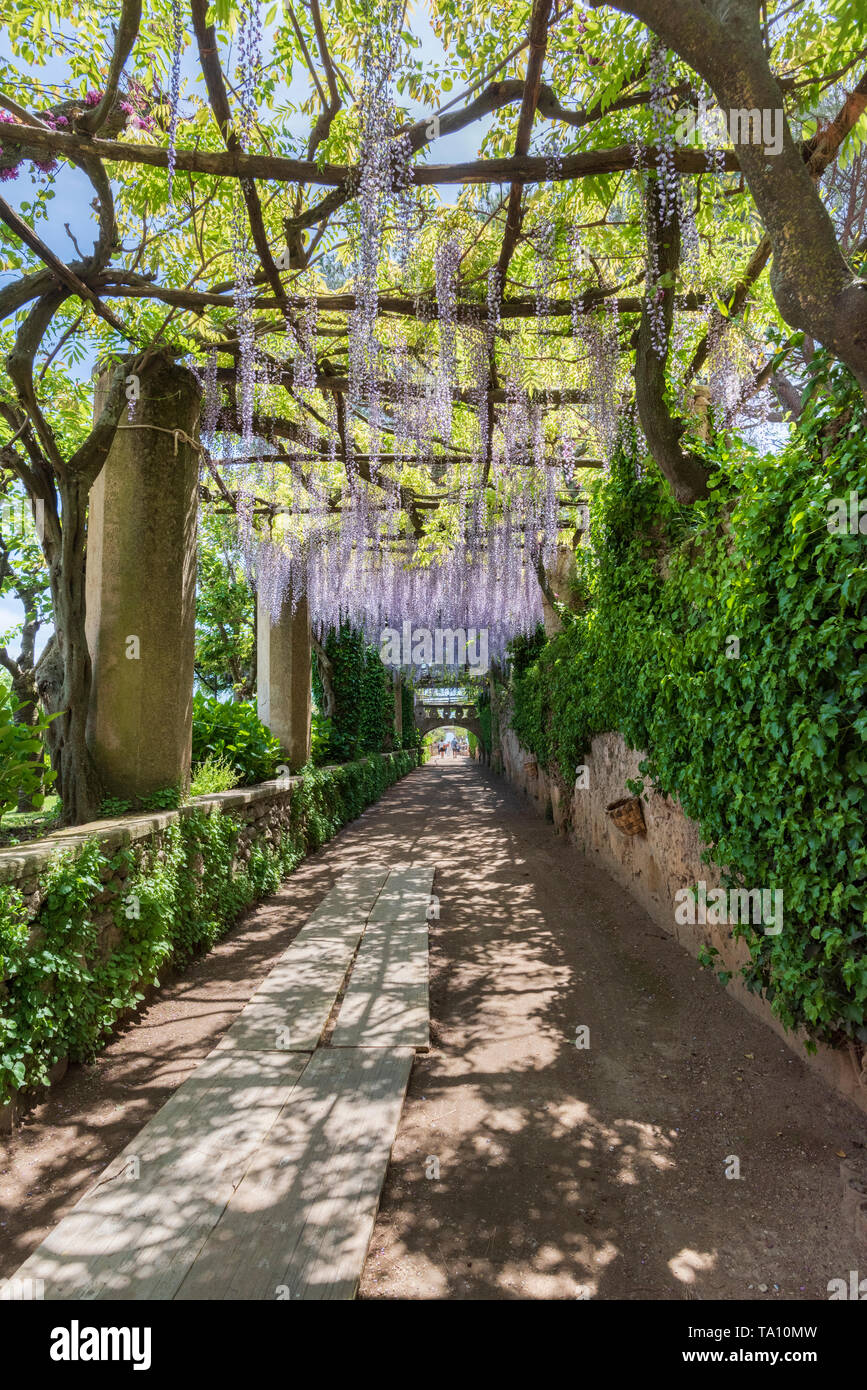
(62, 990)
(729, 642)
(363, 718)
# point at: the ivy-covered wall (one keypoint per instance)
(363, 719)
(410, 738)
(85, 931)
(729, 641)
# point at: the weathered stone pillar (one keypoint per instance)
(398, 709)
(560, 576)
(141, 587)
(283, 677)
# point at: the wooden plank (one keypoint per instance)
(290, 1009)
(386, 1002)
(135, 1233)
(300, 1222)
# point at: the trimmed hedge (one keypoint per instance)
(59, 997)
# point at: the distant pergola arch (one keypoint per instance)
(452, 717)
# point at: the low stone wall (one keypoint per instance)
(264, 818)
(263, 812)
(653, 867)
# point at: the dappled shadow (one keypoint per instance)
(524, 1166)
(88, 1116)
(567, 1172)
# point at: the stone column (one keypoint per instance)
(398, 709)
(283, 678)
(141, 587)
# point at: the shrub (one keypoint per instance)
(215, 774)
(21, 770)
(233, 731)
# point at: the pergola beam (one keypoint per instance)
(234, 164)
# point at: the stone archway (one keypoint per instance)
(428, 724)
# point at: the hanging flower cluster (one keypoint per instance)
(663, 132)
(446, 260)
(242, 258)
(174, 94)
(249, 62)
(372, 588)
(374, 189)
(304, 361)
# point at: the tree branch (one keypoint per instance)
(127, 32)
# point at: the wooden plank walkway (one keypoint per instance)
(300, 1222)
(135, 1233)
(386, 1002)
(260, 1177)
(291, 1007)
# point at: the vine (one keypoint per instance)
(728, 641)
(64, 984)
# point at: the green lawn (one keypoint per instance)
(17, 826)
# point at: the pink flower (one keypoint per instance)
(7, 174)
(93, 98)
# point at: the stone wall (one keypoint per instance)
(263, 812)
(652, 867)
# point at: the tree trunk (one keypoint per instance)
(64, 673)
(686, 474)
(814, 287)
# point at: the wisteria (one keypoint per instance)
(449, 396)
(546, 242)
(243, 296)
(663, 133)
(249, 61)
(174, 95)
(446, 260)
(375, 185)
(304, 361)
(494, 588)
